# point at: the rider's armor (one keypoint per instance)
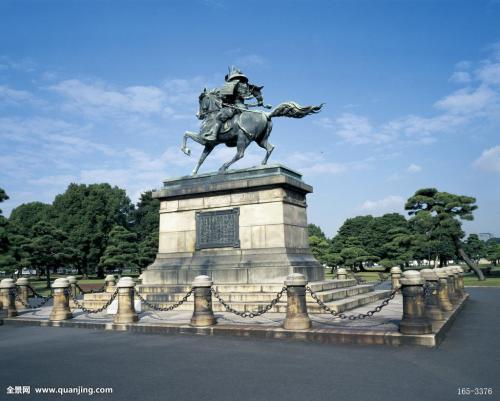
(233, 94)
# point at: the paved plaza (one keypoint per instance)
(189, 367)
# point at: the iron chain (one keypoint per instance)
(166, 308)
(27, 305)
(87, 310)
(429, 289)
(341, 315)
(38, 295)
(102, 289)
(267, 308)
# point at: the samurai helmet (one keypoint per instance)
(235, 73)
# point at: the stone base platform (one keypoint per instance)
(246, 226)
(381, 329)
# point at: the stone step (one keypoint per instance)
(337, 305)
(244, 288)
(325, 296)
(341, 293)
(356, 301)
(326, 285)
(98, 296)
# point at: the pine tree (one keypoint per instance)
(121, 251)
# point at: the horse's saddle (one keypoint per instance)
(245, 121)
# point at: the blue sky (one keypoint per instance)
(102, 91)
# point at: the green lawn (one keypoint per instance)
(40, 284)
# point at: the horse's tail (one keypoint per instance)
(295, 110)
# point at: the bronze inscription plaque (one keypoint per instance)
(218, 229)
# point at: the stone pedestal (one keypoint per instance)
(444, 300)
(126, 312)
(60, 310)
(22, 284)
(296, 310)
(243, 227)
(414, 320)
(7, 293)
(395, 277)
(203, 314)
(433, 310)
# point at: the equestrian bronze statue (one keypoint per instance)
(226, 118)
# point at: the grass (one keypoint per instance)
(40, 284)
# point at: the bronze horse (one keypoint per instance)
(245, 127)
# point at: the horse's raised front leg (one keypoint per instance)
(195, 137)
(204, 154)
(241, 145)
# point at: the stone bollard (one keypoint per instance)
(414, 320)
(395, 277)
(74, 290)
(444, 299)
(60, 310)
(296, 306)
(22, 284)
(73, 284)
(432, 309)
(341, 273)
(203, 315)
(458, 287)
(126, 312)
(461, 280)
(451, 285)
(109, 283)
(7, 288)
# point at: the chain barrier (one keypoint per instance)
(249, 314)
(15, 292)
(166, 308)
(87, 310)
(102, 289)
(359, 280)
(341, 315)
(430, 289)
(38, 295)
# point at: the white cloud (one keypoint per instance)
(460, 77)
(97, 98)
(250, 60)
(477, 100)
(468, 100)
(489, 73)
(489, 160)
(392, 203)
(414, 168)
(14, 96)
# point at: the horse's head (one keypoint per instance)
(209, 102)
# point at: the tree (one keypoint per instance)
(399, 250)
(148, 248)
(349, 234)
(380, 231)
(27, 215)
(88, 213)
(493, 251)
(475, 248)
(121, 251)
(7, 262)
(48, 249)
(316, 231)
(445, 210)
(146, 216)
